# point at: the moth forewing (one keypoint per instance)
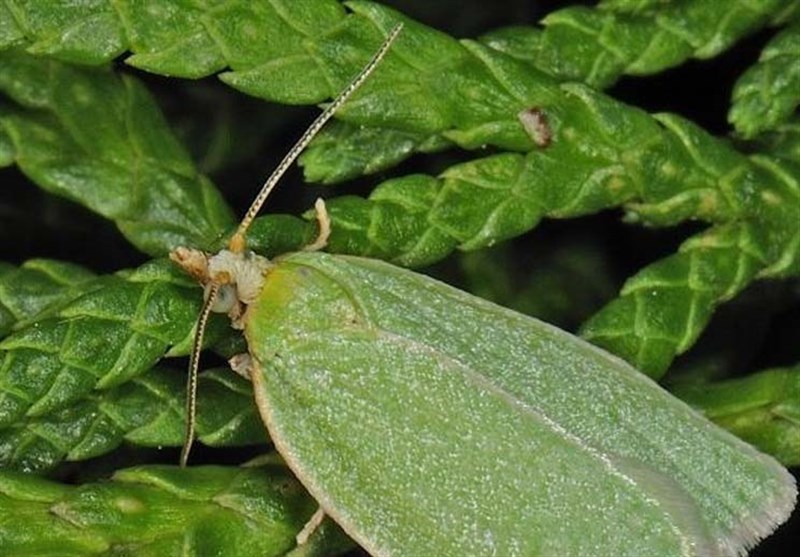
(471, 429)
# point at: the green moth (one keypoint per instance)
(426, 421)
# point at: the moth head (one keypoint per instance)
(243, 271)
(234, 279)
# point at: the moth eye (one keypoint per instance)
(226, 298)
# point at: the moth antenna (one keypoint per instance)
(191, 380)
(237, 241)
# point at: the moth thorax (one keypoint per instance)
(244, 271)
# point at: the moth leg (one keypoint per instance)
(312, 524)
(324, 221)
(242, 364)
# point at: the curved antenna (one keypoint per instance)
(191, 381)
(237, 241)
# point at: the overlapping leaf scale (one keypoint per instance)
(603, 155)
(102, 339)
(768, 93)
(88, 33)
(346, 150)
(592, 45)
(148, 410)
(36, 285)
(598, 46)
(343, 151)
(783, 142)
(321, 46)
(99, 139)
(254, 39)
(156, 510)
(762, 408)
(662, 310)
(184, 39)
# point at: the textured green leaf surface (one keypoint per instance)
(343, 151)
(471, 381)
(663, 309)
(101, 339)
(769, 92)
(177, 39)
(99, 139)
(631, 6)
(36, 285)
(157, 511)
(763, 409)
(293, 52)
(592, 45)
(147, 410)
(666, 174)
(595, 45)
(783, 142)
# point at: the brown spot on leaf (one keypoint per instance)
(534, 121)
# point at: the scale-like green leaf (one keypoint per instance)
(36, 285)
(292, 52)
(663, 309)
(628, 36)
(665, 173)
(88, 33)
(102, 339)
(599, 45)
(147, 410)
(155, 511)
(593, 45)
(99, 139)
(182, 39)
(769, 92)
(783, 142)
(343, 151)
(631, 6)
(763, 409)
